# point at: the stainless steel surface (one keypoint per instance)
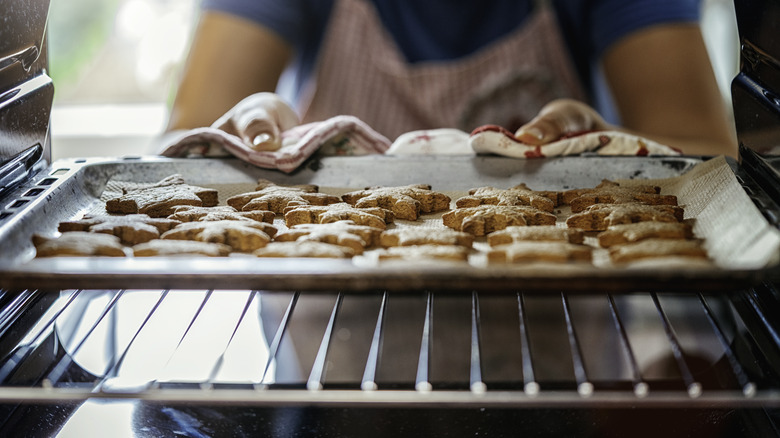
(26, 90)
(73, 187)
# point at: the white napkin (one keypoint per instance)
(445, 141)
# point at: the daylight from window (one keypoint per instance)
(114, 65)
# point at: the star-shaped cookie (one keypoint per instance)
(158, 199)
(242, 236)
(629, 233)
(190, 213)
(518, 195)
(406, 202)
(312, 214)
(343, 233)
(131, 229)
(539, 233)
(609, 192)
(485, 219)
(311, 249)
(78, 243)
(409, 236)
(599, 217)
(540, 251)
(275, 198)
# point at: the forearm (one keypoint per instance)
(664, 88)
(230, 59)
(705, 145)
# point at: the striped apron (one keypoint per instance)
(360, 71)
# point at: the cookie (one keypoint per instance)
(79, 243)
(609, 192)
(518, 195)
(547, 233)
(242, 236)
(485, 219)
(657, 248)
(599, 217)
(189, 213)
(311, 249)
(540, 251)
(272, 197)
(425, 252)
(406, 202)
(131, 229)
(158, 199)
(160, 247)
(628, 233)
(343, 233)
(425, 236)
(312, 214)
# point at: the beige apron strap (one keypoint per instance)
(362, 72)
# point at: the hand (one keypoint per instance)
(558, 118)
(259, 121)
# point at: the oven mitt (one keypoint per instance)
(340, 135)
(497, 140)
(445, 141)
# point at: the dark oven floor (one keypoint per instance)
(251, 363)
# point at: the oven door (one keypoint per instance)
(26, 92)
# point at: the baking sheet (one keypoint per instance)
(743, 245)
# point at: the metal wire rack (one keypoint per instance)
(379, 348)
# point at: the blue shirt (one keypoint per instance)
(434, 30)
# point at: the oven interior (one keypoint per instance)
(214, 362)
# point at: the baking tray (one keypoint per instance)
(71, 188)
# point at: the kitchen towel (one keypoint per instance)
(340, 135)
(497, 140)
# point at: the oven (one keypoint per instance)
(244, 347)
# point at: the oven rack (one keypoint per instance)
(399, 349)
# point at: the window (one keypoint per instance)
(114, 64)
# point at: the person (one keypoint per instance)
(541, 68)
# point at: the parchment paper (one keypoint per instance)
(735, 233)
